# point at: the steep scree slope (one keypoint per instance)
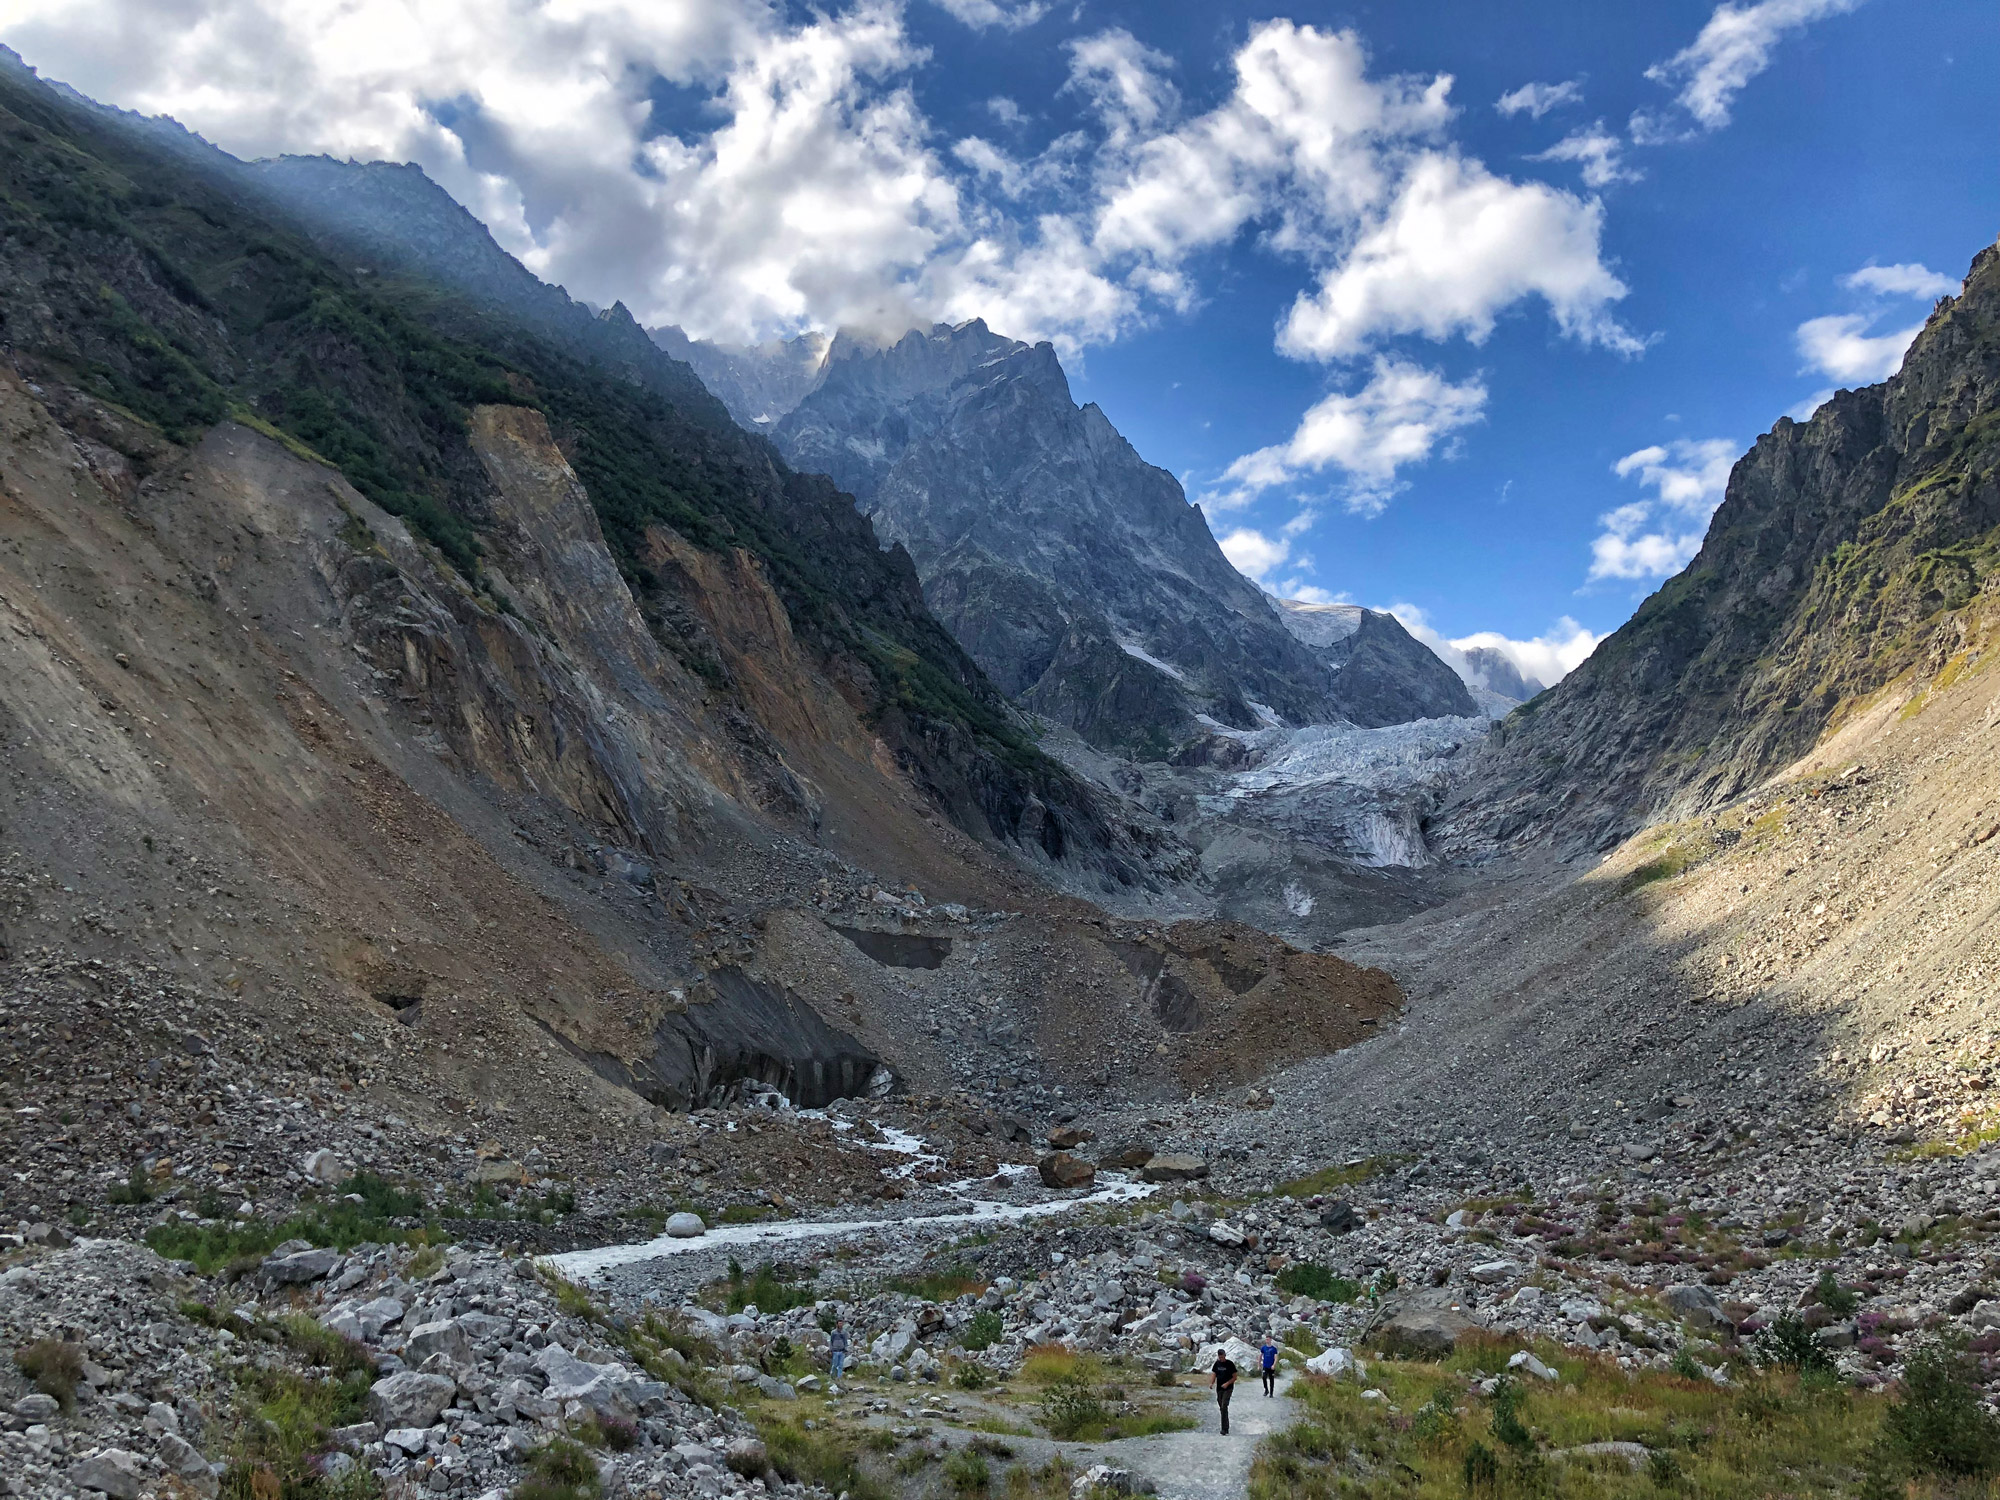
(1840, 554)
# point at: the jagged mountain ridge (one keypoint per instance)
(1073, 571)
(1385, 675)
(758, 384)
(1844, 554)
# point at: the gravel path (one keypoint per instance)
(1200, 1464)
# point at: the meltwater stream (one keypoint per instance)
(585, 1265)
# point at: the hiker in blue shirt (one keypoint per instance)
(1270, 1353)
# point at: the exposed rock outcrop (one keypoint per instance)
(1074, 572)
(1841, 555)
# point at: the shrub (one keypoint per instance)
(1310, 1279)
(1834, 1297)
(1789, 1345)
(1683, 1365)
(828, 1459)
(560, 1470)
(137, 1187)
(54, 1366)
(1070, 1405)
(983, 1332)
(940, 1284)
(620, 1436)
(1939, 1426)
(971, 1377)
(1437, 1418)
(1482, 1469)
(765, 1290)
(322, 1346)
(967, 1473)
(1507, 1424)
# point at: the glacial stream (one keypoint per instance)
(585, 1265)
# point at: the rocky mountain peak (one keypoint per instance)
(1843, 555)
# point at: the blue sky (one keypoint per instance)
(1406, 346)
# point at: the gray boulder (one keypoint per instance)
(409, 1399)
(685, 1226)
(1696, 1305)
(445, 1337)
(112, 1471)
(185, 1463)
(1173, 1169)
(1423, 1329)
(301, 1266)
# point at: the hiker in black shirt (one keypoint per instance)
(1222, 1375)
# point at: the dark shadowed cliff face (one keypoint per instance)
(1073, 571)
(1840, 558)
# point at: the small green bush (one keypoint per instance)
(1938, 1426)
(1789, 1345)
(1507, 1424)
(560, 1470)
(55, 1367)
(1070, 1405)
(967, 1472)
(971, 1377)
(1834, 1297)
(1482, 1469)
(983, 1331)
(136, 1188)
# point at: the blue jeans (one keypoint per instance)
(839, 1359)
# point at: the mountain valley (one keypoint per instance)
(543, 862)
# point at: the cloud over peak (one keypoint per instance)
(1653, 538)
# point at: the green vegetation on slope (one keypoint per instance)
(158, 276)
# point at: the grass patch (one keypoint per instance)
(1048, 1481)
(339, 1223)
(967, 1472)
(1310, 1279)
(55, 1367)
(322, 1346)
(1776, 1433)
(285, 1420)
(1330, 1180)
(560, 1470)
(135, 1189)
(1072, 1407)
(764, 1290)
(1044, 1364)
(943, 1284)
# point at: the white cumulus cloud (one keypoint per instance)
(1907, 280)
(1252, 553)
(1537, 99)
(1731, 49)
(1548, 658)
(1010, 15)
(1840, 347)
(1653, 538)
(1597, 151)
(1456, 248)
(1397, 418)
